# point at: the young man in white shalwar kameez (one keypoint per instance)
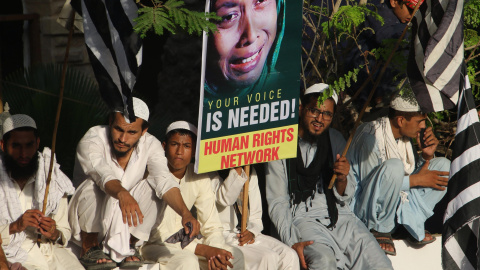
(23, 175)
(208, 252)
(260, 251)
(115, 203)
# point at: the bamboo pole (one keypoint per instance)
(357, 123)
(57, 117)
(245, 200)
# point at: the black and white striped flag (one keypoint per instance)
(461, 220)
(436, 54)
(114, 49)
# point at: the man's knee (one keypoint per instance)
(320, 257)
(238, 260)
(393, 169)
(440, 164)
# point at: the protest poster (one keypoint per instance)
(250, 84)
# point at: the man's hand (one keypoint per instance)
(217, 258)
(48, 228)
(128, 205)
(341, 167)
(187, 217)
(130, 208)
(174, 199)
(246, 237)
(430, 141)
(299, 247)
(31, 218)
(428, 178)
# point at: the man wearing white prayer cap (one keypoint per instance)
(23, 175)
(395, 186)
(312, 219)
(167, 245)
(116, 204)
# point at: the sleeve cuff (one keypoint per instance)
(105, 179)
(406, 183)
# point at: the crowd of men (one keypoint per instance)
(136, 195)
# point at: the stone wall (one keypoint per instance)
(53, 36)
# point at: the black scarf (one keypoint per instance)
(303, 182)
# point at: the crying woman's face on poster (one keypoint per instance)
(246, 33)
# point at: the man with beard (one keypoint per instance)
(23, 175)
(116, 204)
(314, 220)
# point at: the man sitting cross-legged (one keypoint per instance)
(23, 175)
(314, 220)
(115, 203)
(209, 252)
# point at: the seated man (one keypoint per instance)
(209, 252)
(314, 220)
(23, 176)
(115, 203)
(260, 251)
(393, 188)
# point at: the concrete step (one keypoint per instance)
(428, 257)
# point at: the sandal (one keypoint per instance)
(132, 264)
(385, 238)
(414, 242)
(89, 260)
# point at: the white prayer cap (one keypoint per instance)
(140, 109)
(17, 121)
(320, 88)
(182, 125)
(405, 103)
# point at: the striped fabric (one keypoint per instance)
(115, 50)
(461, 220)
(436, 54)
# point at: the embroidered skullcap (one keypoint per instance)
(320, 88)
(405, 103)
(182, 125)
(412, 3)
(140, 109)
(17, 121)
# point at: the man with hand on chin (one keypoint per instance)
(394, 187)
(314, 220)
(116, 204)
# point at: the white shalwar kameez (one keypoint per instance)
(92, 210)
(266, 252)
(196, 191)
(22, 247)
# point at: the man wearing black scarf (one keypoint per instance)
(314, 220)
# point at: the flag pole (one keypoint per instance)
(57, 117)
(245, 200)
(377, 82)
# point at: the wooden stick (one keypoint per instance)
(357, 123)
(245, 200)
(57, 117)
